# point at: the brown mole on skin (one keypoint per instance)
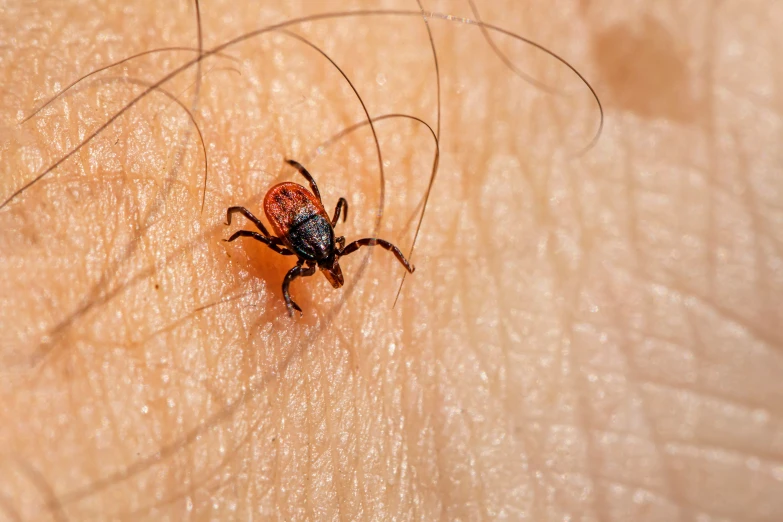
(303, 229)
(646, 71)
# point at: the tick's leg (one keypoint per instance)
(297, 271)
(245, 212)
(340, 242)
(303, 171)
(272, 242)
(370, 241)
(342, 204)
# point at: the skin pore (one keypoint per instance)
(585, 338)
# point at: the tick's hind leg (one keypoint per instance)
(249, 215)
(303, 171)
(272, 242)
(297, 271)
(371, 241)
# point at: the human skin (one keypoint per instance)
(589, 337)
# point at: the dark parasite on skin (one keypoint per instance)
(304, 230)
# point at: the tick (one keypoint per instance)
(304, 230)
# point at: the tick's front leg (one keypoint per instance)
(342, 205)
(309, 177)
(297, 271)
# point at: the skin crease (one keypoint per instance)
(591, 338)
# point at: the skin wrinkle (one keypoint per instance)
(41, 484)
(331, 435)
(751, 205)
(478, 485)
(531, 455)
(111, 294)
(672, 488)
(757, 332)
(91, 73)
(668, 387)
(594, 462)
(412, 376)
(308, 474)
(7, 505)
(106, 277)
(545, 221)
(574, 279)
(567, 353)
(709, 128)
(424, 304)
(194, 486)
(680, 502)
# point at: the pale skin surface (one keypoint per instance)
(584, 339)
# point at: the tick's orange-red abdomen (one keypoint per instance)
(287, 204)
